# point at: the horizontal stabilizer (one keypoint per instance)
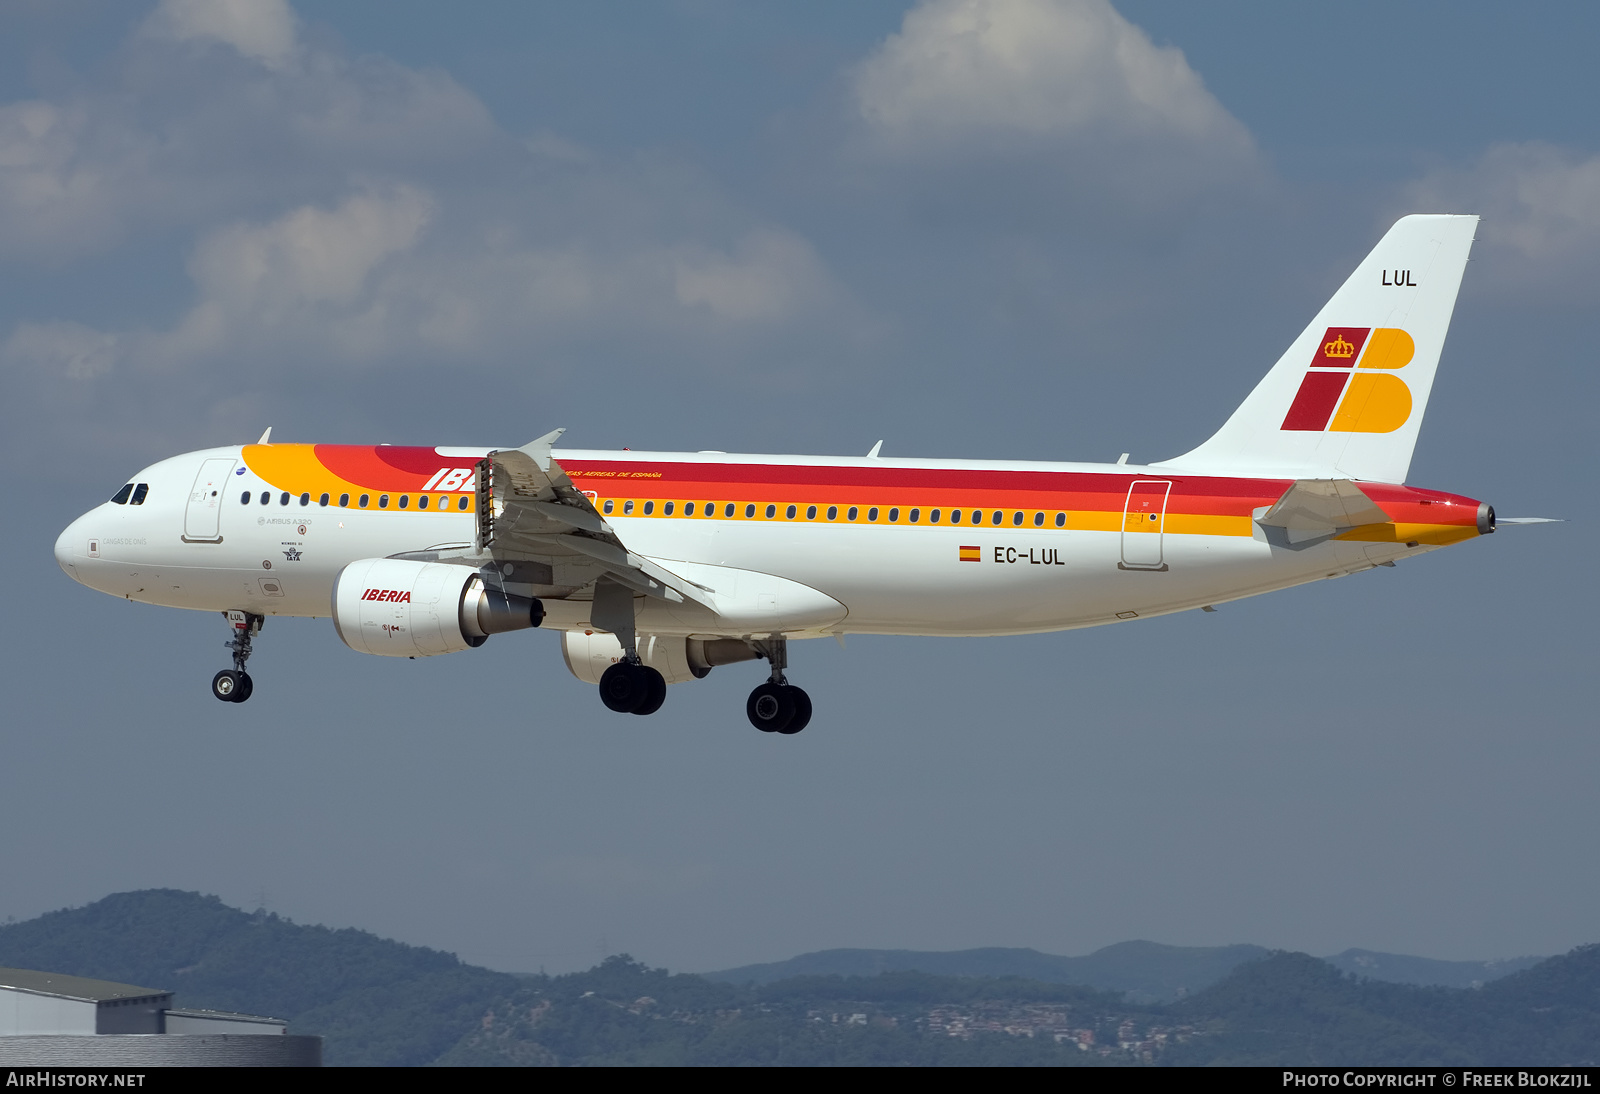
(1312, 510)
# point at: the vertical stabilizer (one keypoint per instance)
(1347, 399)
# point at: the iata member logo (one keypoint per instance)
(1368, 398)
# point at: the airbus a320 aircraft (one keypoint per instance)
(658, 567)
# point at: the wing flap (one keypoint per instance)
(528, 508)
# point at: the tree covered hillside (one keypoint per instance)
(381, 1002)
(375, 1001)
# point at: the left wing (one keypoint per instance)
(528, 509)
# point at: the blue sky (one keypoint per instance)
(1027, 229)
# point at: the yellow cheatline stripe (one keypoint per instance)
(283, 464)
(1435, 535)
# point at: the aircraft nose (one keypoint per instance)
(66, 544)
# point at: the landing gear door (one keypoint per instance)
(201, 518)
(1144, 519)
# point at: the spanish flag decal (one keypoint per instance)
(971, 554)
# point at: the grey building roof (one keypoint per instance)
(225, 1016)
(73, 987)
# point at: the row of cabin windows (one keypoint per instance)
(403, 502)
(132, 494)
(913, 516)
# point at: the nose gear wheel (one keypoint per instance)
(234, 685)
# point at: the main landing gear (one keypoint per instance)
(777, 706)
(631, 687)
(234, 685)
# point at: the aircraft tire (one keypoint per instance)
(771, 707)
(657, 693)
(244, 688)
(624, 688)
(802, 711)
(225, 686)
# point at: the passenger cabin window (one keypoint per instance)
(627, 508)
(344, 501)
(364, 499)
(666, 510)
(121, 496)
(323, 501)
(609, 505)
(383, 501)
(1038, 519)
(305, 499)
(462, 504)
(1016, 518)
(997, 516)
(244, 498)
(284, 498)
(1061, 520)
(977, 517)
(422, 502)
(872, 514)
(894, 514)
(933, 516)
(266, 498)
(811, 512)
(772, 511)
(405, 501)
(140, 492)
(850, 514)
(955, 516)
(649, 508)
(688, 508)
(789, 512)
(833, 512)
(916, 515)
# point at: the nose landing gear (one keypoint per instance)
(234, 685)
(777, 706)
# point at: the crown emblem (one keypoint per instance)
(1338, 347)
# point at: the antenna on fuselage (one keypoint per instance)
(875, 450)
(265, 436)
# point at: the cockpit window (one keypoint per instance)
(121, 496)
(140, 492)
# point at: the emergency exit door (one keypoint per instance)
(1144, 519)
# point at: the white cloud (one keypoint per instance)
(175, 138)
(767, 277)
(69, 351)
(55, 199)
(363, 282)
(260, 29)
(311, 255)
(960, 70)
(1541, 210)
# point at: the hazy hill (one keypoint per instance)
(1146, 971)
(1293, 1009)
(375, 1001)
(381, 1002)
(1400, 969)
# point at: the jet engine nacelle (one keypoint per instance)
(589, 654)
(394, 607)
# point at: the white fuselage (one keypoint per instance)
(838, 576)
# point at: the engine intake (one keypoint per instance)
(395, 607)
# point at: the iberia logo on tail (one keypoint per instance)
(1369, 398)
